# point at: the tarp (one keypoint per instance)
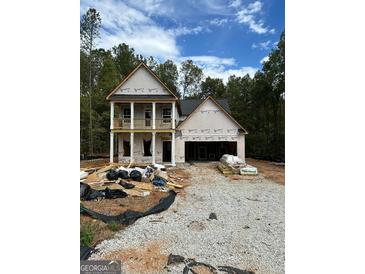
(85, 252)
(130, 216)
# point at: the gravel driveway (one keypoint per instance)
(248, 233)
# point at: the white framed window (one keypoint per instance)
(166, 115)
(148, 117)
(126, 115)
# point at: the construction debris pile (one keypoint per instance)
(115, 181)
(230, 165)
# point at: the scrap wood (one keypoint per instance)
(172, 183)
(130, 163)
(136, 193)
(145, 186)
(140, 185)
(94, 177)
(105, 169)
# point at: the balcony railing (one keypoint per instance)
(120, 123)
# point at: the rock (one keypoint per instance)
(173, 259)
(246, 227)
(212, 216)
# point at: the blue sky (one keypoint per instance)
(224, 37)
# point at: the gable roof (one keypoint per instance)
(189, 105)
(219, 106)
(141, 64)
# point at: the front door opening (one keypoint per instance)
(166, 151)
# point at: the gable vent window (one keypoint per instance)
(166, 115)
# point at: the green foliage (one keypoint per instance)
(113, 226)
(190, 79)
(212, 87)
(89, 29)
(86, 234)
(169, 74)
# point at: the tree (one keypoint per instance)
(151, 63)
(274, 71)
(190, 78)
(212, 87)
(169, 74)
(89, 32)
(125, 59)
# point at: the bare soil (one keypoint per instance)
(120, 205)
(269, 170)
(146, 259)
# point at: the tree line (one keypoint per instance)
(257, 103)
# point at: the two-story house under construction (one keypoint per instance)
(149, 124)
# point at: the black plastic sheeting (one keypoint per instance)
(191, 263)
(130, 216)
(87, 193)
(85, 252)
(127, 185)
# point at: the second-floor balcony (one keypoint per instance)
(123, 123)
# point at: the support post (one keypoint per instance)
(132, 145)
(111, 115)
(111, 147)
(153, 148)
(132, 115)
(173, 149)
(153, 115)
(173, 115)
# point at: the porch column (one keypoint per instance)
(153, 147)
(153, 115)
(132, 115)
(173, 149)
(173, 115)
(111, 115)
(111, 147)
(131, 145)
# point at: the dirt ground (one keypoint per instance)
(269, 170)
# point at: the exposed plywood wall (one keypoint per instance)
(142, 82)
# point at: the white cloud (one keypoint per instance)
(235, 3)
(153, 7)
(218, 22)
(124, 24)
(225, 73)
(209, 60)
(247, 16)
(263, 45)
(186, 30)
(265, 59)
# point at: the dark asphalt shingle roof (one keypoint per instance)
(188, 105)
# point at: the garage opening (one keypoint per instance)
(208, 151)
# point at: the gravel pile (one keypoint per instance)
(247, 233)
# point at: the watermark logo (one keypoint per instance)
(100, 267)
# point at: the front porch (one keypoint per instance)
(142, 115)
(143, 147)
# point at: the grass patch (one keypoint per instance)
(86, 234)
(113, 226)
